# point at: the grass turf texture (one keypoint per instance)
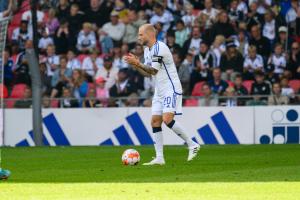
(219, 172)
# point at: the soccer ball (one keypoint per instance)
(130, 157)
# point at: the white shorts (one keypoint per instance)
(169, 103)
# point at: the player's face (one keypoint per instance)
(142, 39)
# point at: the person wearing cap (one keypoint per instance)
(102, 93)
(283, 38)
(108, 72)
(114, 29)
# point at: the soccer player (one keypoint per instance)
(167, 100)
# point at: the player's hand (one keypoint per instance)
(132, 59)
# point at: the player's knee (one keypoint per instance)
(169, 121)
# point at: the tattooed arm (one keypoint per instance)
(145, 70)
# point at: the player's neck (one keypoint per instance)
(151, 43)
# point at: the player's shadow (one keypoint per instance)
(227, 163)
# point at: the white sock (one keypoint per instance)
(179, 130)
(158, 142)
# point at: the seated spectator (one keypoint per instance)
(208, 99)
(108, 72)
(46, 80)
(161, 35)
(210, 12)
(92, 63)
(132, 100)
(203, 64)
(8, 64)
(102, 93)
(118, 52)
(90, 100)
(61, 78)
(170, 42)
(21, 35)
(218, 48)
(253, 63)
(63, 9)
(242, 40)
(217, 85)
(278, 60)
(277, 98)
(235, 14)
(73, 62)
(293, 64)
(63, 38)
(283, 38)
(240, 90)
(22, 69)
(26, 101)
(45, 41)
(231, 100)
(182, 33)
(192, 45)
(68, 101)
(183, 73)
(286, 90)
(261, 43)
(40, 15)
(46, 101)
(123, 86)
(222, 27)
(114, 29)
(51, 59)
(52, 22)
(231, 61)
(188, 18)
(75, 20)
(162, 15)
(79, 85)
(260, 87)
(86, 40)
(270, 26)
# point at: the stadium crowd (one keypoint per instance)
(225, 48)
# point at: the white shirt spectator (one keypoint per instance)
(269, 30)
(74, 63)
(279, 63)
(88, 65)
(165, 19)
(51, 60)
(212, 14)
(254, 64)
(21, 38)
(28, 17)
(195, 45)
(291, 15)
(288, 92)
(86, 41)
(188, 20)
(242, 7)
(116, 32)
(110, 76)
(217, 53)
(120, 63)
(44, 42)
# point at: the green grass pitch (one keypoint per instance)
(219, 172)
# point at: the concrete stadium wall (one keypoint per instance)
(131, 126)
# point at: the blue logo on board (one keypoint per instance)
(285, 128)
(55, 130)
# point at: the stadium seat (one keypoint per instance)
(10, 103)
(197, 90)
(18, 91)
(295, 84)
(230, 84)
(248, 85)
(54, 103)
(3, 91)
(191, 103)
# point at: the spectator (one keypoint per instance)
(63, 9)
(277, 98)
(238, 86)
(26, 101)
(231, 61)
(188, 18)
(231, 100)
(260, 87)
(235, 14)
(102, 93)
(243, 42)
(163, 16)
(46, 80)
(293, 64)
(161, 35)
(286, 90)
(211, 12)
(45, 41)
(75, 21)
(68, 101)
(203, 65)
(21, 35)
(86, 40)
(254, 18)
(73, 62)
(183, 73)
(98, 12)
(217, 85)
(27, 16)
(270, 27)
(218, 48)
(114, 29)
(108, 72)
(261, 43)
(51, 59)
(92, 63)
(79, 85)
(253, 63)
(132, 100)
(171, 42)
(192, 45)
(181, 34)
(222, 27)
(278, 60)
(91, 101)
(8, 64)
(61, 78)
(208, 99)
(283, 38)
(63, 39)
(46, 102)
(52, 22)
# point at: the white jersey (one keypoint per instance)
(160, 58)
(168, 90)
